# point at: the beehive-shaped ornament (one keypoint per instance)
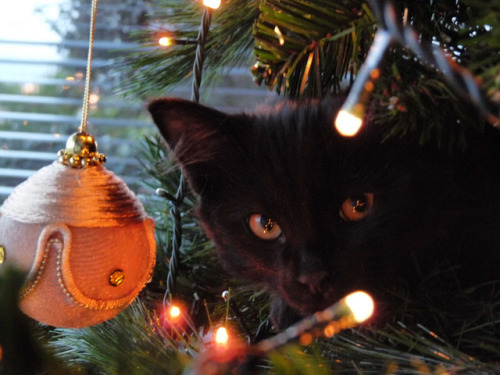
(82, 237)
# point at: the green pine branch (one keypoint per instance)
(229, 44)
(131, 343)
(315, 48)
(138, 342)
(481, 39)
(318, 47)
(408, 102)
(308, 48)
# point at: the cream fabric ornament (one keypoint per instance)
(81, 235)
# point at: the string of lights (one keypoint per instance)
(177, 199)
(391, 30)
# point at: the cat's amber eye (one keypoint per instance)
(356, 207)
(264, 227)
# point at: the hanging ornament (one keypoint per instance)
(80, 234)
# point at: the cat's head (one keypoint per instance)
(293, 205)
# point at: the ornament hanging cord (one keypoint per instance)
(86, 95)
(177, 199)
(81, 148)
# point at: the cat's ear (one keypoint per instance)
(194, 134)
(179, 120)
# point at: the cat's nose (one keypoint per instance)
(313, 280)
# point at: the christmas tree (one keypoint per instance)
(427, 56)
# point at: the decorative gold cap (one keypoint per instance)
(81, 152)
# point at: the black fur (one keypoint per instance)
(433, 212)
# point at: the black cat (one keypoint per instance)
(312, 215)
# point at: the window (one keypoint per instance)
(43, 57)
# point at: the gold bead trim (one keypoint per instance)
(30, 287)
(2, 254)
(92, 304)
(117, 278)
(83, 160)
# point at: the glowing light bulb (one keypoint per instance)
(279, 35)
(165, 41)
(214, 4)
(94, 98)
(30, 88)
(347, 123)
(330, 330)
(221, 336)
(68, 79)
(305, 339)
(174, 312)
(361, 305)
